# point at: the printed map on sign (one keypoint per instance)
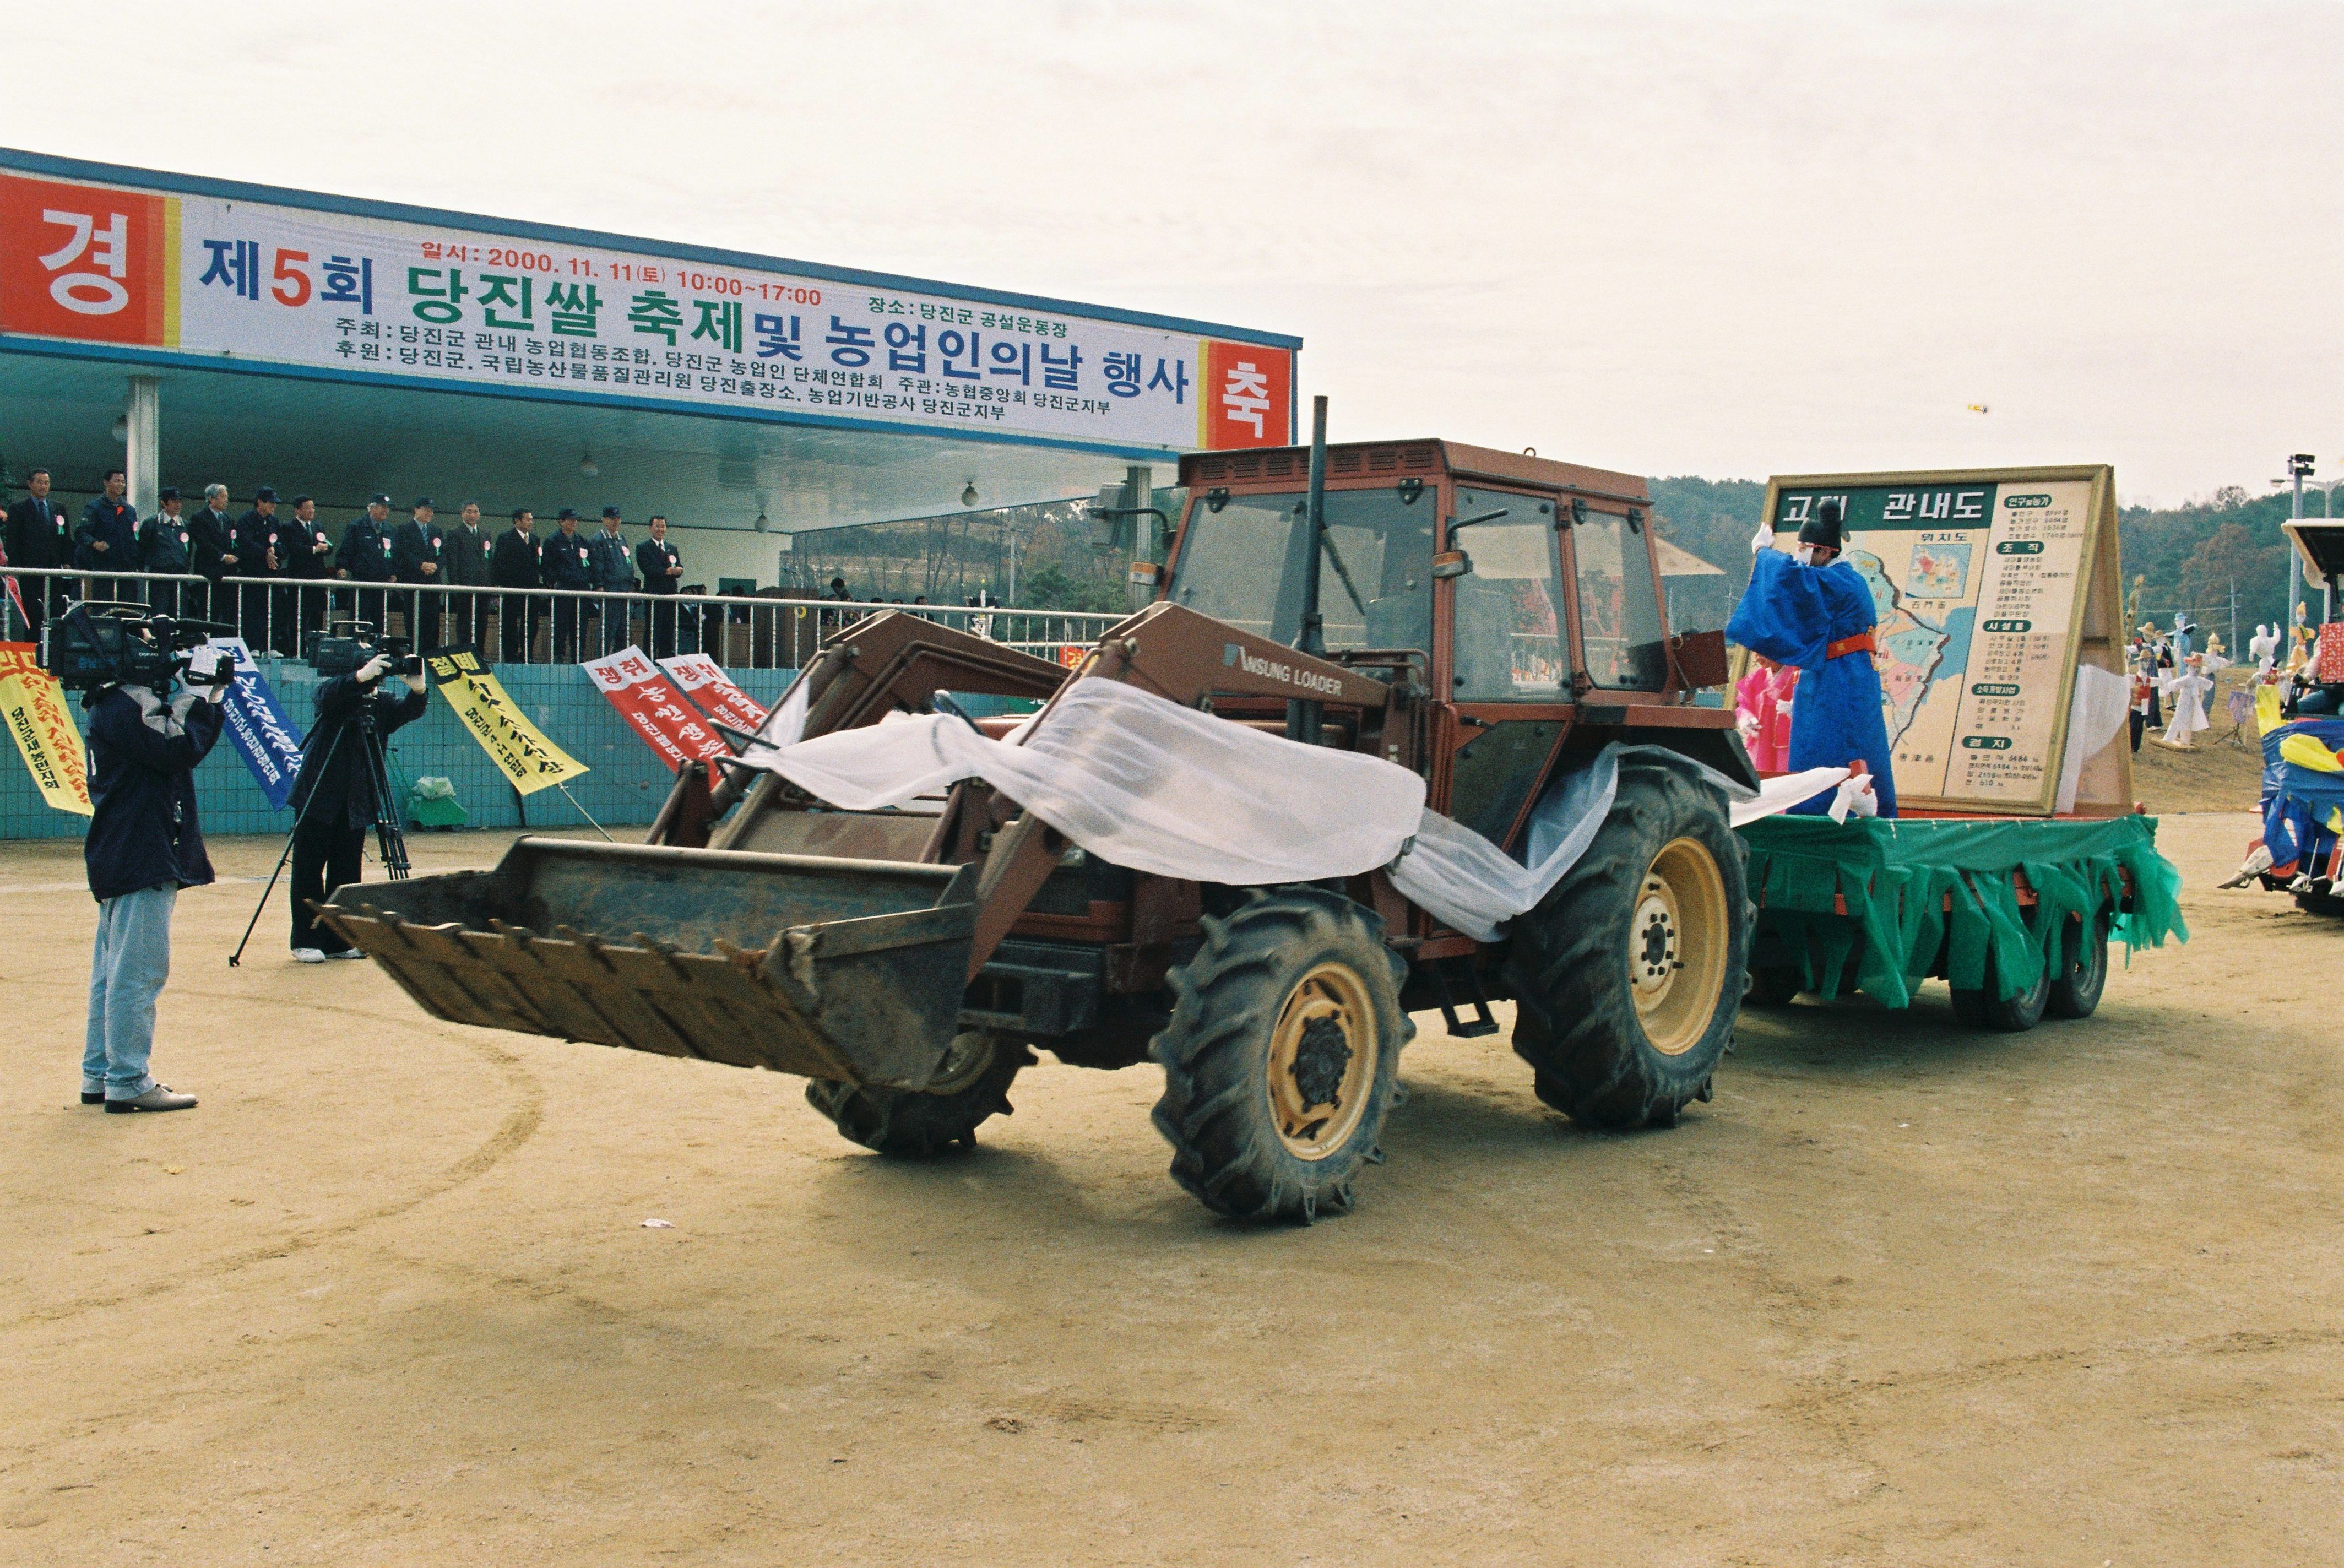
(1975, 587)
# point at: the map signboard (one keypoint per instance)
(299, 283)
(1990, 586)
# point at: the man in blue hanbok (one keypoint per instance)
(1813, 609)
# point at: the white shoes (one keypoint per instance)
(307, 955)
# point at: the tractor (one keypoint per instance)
(1488, 621)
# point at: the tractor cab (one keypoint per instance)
(1524, 594)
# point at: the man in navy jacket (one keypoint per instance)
(143, 846)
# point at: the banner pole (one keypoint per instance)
(587, 815)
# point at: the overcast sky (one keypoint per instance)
(1727, 239)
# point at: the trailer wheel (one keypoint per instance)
(1280, 1056)
(910, 1122)
(2083, 970)
(1987, 1008)
(1627, 977)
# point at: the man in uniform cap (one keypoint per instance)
(366, 557)
(260, 551)
(611, 565)
(163, 547)
(567, 560)
(1811, 609)
(415, 557)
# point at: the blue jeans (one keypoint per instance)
(131, 961)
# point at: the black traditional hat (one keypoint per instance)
(1822, 528)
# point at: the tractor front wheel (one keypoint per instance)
(1628, 975)
(1280, 1056)
(972, 1088)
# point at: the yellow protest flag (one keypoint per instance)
(32, 705)
(488, 712)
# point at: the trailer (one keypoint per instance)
(2017, 916)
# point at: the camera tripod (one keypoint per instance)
(391, 839)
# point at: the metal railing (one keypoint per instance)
(533, 626)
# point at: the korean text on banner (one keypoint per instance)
(704, 681)
(257, 723)
(35, 707)
(282, 283)
(649, 704)
(484, 707)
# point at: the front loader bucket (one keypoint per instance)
(852, 970)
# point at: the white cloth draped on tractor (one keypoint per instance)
(1147, 783)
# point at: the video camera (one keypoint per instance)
(346, 647)
(99, 643)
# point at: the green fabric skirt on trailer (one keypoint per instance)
(1898, 876)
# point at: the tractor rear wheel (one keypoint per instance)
(1280, 1056)
(1628, 975)
(974, 1087)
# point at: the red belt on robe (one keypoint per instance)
(1860, 643)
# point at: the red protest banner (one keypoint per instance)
(704, 682)
(652, 708)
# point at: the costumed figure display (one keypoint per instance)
(1811, 611)
(2188, 689)
(2263, 648)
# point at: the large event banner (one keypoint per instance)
(703, 680)
(649, 704)
(297, 285)
(486, 709)
(1989, 587)
(257, 725)
(33, 706)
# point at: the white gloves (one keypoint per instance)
(374, 669)
(1763, 539)
(1854, 799)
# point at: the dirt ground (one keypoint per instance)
(1903, 1294)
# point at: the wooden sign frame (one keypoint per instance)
(2094, 634)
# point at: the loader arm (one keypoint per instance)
(1186, 658)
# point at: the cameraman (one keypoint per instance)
(143, 846)
(334, 794)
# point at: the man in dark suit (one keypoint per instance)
(464, 557)
(517, 562)
(211, 553)
(310, 558)
(662, 565)
(39, 535)
(108, 535)
(260, 549)
(415, 557)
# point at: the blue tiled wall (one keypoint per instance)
(626, 787)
